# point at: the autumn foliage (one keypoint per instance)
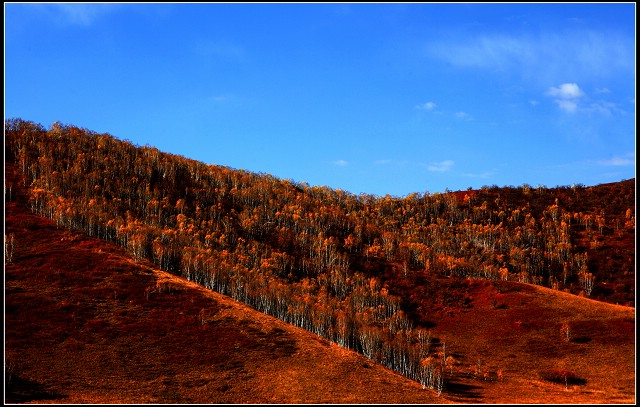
(351, 268)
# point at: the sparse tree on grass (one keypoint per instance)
(370, 341)
(426, 372)
(423, 339)
(439, 381)
(586, 281)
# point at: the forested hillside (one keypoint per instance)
(366, 272)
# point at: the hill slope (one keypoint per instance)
(514, 344)
(86, 324)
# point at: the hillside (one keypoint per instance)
(420, 284)
(84, 323)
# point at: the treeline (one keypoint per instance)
(337, 264)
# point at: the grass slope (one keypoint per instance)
(509, 346)
(85, 324)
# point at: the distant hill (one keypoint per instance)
(403, 281)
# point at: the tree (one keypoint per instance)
(9, 242)
(587, 281)
(439, 381)
(370, 341)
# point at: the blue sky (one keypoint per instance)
(369, 98)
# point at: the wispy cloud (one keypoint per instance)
(546, 57)
(495, 51)
(382, 162)
(83, 14)
(618, 161)
(341, 163)
(483, 175)
(567, 105)
(426, 106)
(600, 91)
(442, 166)
(603, 108)
(431, 106)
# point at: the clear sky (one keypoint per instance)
(375, 98)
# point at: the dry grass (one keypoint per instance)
(522, 342)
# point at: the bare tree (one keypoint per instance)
(586, 281)
(439, 381)
(9, 241)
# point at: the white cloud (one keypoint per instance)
(618, 161)
(426, 106)
(566, 91)
(463, 115)
(340, 163)
(441, 166)
(566, 96)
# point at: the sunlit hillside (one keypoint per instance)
(86, 324)
(424, 285)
